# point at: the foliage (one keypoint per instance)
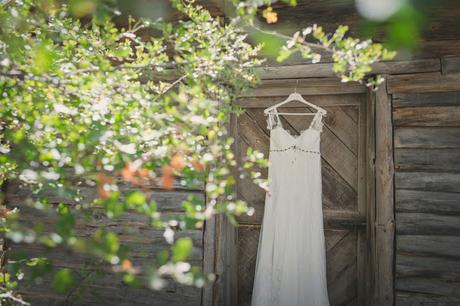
(85, 104)
(352, 57)
(88, 104)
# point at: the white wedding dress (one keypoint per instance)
(291, 259)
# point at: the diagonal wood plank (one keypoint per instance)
(344, 163)
(343, 126)
(337, 121)
(337, 194)
(252, 134)
(342, 269)
(352, 111)
(334, 152)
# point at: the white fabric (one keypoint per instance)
(291, 259)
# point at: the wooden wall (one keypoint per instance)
(96, 283)
(418, 127)
(426, 118)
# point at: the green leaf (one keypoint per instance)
(43, 58)
(136, 198)
(63, 281)
(181, 249)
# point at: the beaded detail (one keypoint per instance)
(295, 148)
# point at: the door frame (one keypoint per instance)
(221, 238)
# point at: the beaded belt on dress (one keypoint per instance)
(295, 148)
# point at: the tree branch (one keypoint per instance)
(285, 37)
(10, 296)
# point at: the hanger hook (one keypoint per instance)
(297, 84)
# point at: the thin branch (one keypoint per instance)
(171, 86)
(10, 296)
(168, 65)
(285, 37)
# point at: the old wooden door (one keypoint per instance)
(345, 175)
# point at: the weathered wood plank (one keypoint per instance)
(166, 200)
(417, 299)
(426, 201)
(423, 82)
(337, 194)
(431, 245)
(427, 137)
(426, 224)
(226, 264)
(369, 243)
(439, 48)
(429, 285)
(119, 294)
(441, 19)
(325, 69)
(248, 239)
(427, 159)
(427, 116)
(449, 98)
(345, 163)
(423, 266)
(384, 180)
(313, 86)
(209, 257)
(450, 64)
(342, 269)
(322, 100)
(344, 127)
(428, 181)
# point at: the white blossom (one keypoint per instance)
(28, 176)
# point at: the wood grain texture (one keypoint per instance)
(447, 160)
(97, 283)
(450, 64)
(384, 201)
(326, 69)
(423, 82)
(429, 286)
(320, 100)
(370, 246)
(209, 259)
(429, 245)
(423, 266)
(427, 116)
(448, 98)
(427, 137)
(427, 201)
(427, 143)
(420, 299)
(226, 260)
(427, 224)
(312, 86)
(428, 181)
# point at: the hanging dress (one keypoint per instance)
(291, 257)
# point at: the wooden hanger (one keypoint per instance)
(295, 97)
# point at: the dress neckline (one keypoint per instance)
(295, 137)
(302, 132)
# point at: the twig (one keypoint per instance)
(308, 44)
(8, 295)
(171, 86)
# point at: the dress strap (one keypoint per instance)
(317, 122)
(273, 120)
